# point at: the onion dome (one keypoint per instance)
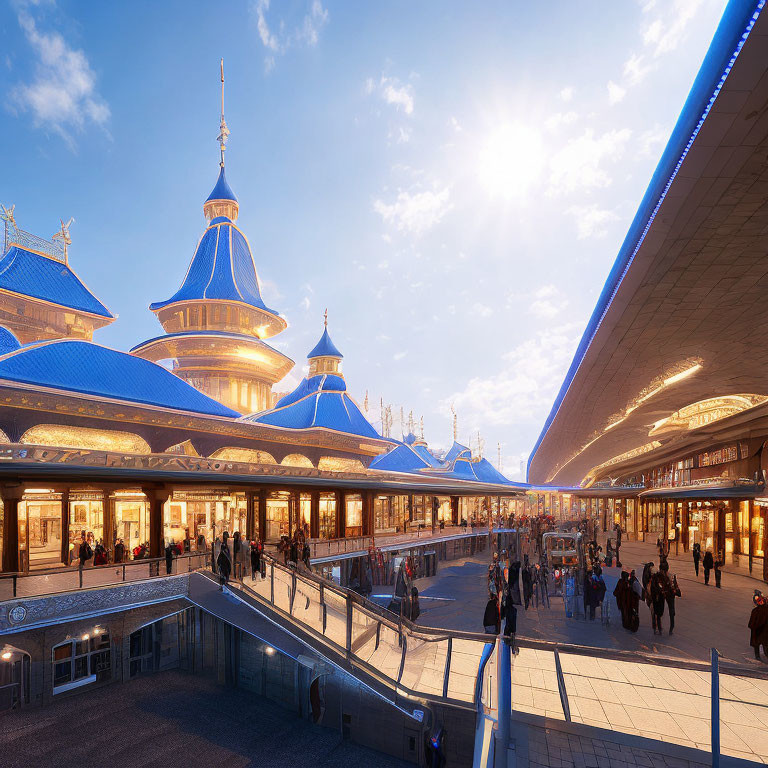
(221, 201)
(325, 356)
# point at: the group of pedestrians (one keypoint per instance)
(295, 549)
(709, 563)
(501, 604)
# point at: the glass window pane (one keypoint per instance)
(62, 651)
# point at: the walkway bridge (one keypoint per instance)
(632, 702)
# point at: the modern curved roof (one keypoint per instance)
(680, 258)
(222, 268)
(40, 277)
(86, 368)
(400, 459)
(222, 190)
(456, 450)
(8, 342)
(318, 402)
(324, 348)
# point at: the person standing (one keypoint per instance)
(635, 595)
(709, 563)
(224, 561)
(119, 551)
(85, 552)
(719, 563)
(621, 593)
(255, 559)
(696, 557)
(758, 624)
(491, 617)
(671, 591)
(658, 598)
(170, 550)
(527, 586)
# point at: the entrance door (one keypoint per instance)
(39, 534)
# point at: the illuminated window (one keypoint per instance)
(354, 518)
(81, 661)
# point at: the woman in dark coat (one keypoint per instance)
(696, 557)
(514, 582)
(621, 593)
(224, 560)
(527, 586)
(709, 563)
(491, 617)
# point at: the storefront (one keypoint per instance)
(40, 529)
(389, 513)
(353, 508)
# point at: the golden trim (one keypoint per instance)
(45, 302)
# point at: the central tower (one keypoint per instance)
(216, 323)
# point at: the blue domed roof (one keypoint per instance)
(319, 401)
(86, 368)
(8, 342)
(324, 348)
(37, 276)
(222, 268)
(222, 190)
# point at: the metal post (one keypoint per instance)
(715, 714)
(504, 702)
(561, 687)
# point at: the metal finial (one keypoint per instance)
(64, 236)
(455, 423)
(325, 317)
(223, 130)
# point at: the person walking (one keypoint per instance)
(84, 553)
(709, 563)
(658, 598)
(491, 616)
(255, 559)
(635, 595)
(717, 565)
(170, 550)
(596, 592)
(527, 586)
(621, 593)
(224, 561)
(236, 547)
(758, 624)
(671, 591)
(119, 551)
(696, 557)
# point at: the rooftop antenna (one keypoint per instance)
(411, 425)
(480, 444)
(223, 130)
(455, 423)
(402, 423)
(365, 402)
(421, 428)
(383, 429)
(499, 464)
(63, 236)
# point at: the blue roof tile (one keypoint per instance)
(87, 368)
(8, 342)
(39, 277)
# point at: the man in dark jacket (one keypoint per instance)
(170, 550)
(758, 624)
(709, 563)
(85, 552)
(696, 557)
(224, 561)
(621, 593)
(527, 585)
(491, 617)
(717, 565)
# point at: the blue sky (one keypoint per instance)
(452, 180)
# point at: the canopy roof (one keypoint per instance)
(40, 277)
(90, 369)
(680, 314)
(319, 401)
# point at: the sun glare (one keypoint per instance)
(510, 161)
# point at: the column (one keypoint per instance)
(455, 510)
(65, 527)
(262, 514)
(764, 513)
(341, 514)
(314, 515)
(156, 497)
(410, 507)
(367, 513)
(11, 497)
(293, 512)
(750, 537)
(108, 507)
(684, 528)
(250, 517)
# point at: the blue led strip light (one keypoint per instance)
(585, 344)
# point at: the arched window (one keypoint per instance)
(82, 437)
(297, 460)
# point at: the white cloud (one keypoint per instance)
(415, 212)
(615, 92)
(63, 94)
(393, 92)
(578, 165)
(399, 355)
(482, 310)
(548, 301)
(635, 69)
(566, 94)
(665, 30)
(305, 303)
(559, 119)
(591, 220)
(305, 33)
(523, 390)
(649, 140)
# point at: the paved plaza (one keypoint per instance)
(174, 719)
(706, 616)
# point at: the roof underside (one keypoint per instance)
(690, 281)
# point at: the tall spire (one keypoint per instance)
(223, 130)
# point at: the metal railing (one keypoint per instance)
(51, 581)
(417, 663)
(320, 548)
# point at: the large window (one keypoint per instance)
(277, 515)
(354, 518)
(81, 661)
(327, 515)
(389, 513)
